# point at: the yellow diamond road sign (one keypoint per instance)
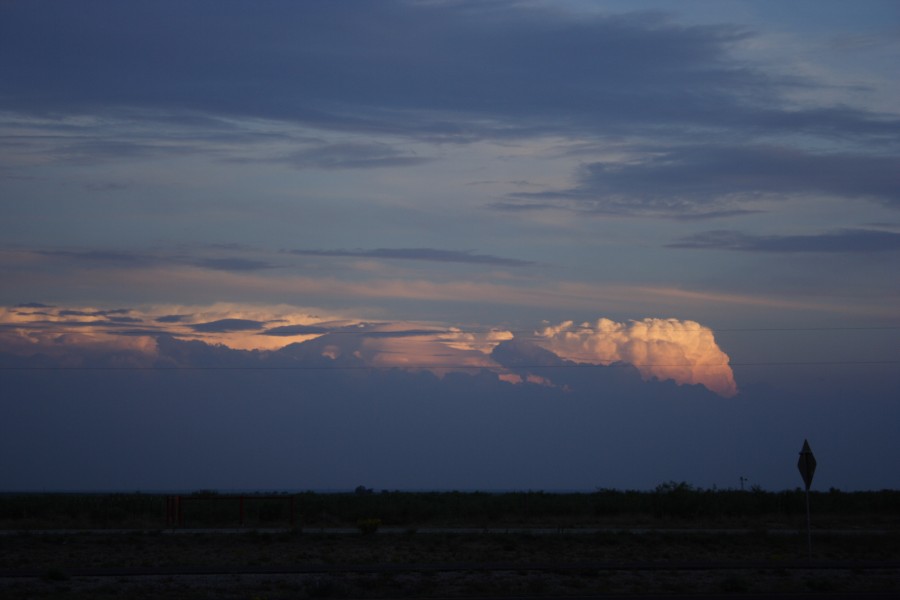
(807, 464)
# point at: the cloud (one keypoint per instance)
(100, 256)
(683, 351)
(227, 325)
(172, 318)
(233, 264)
(852, 241)
(718, 180)
(236, 326)
(423, 254)
(666, 349)
(467, 431)
(92, 313)
(105, 257)
(61, 342)
(352, 155)
(156, 285)
(292, 330)
(438, 70)
(420, 353)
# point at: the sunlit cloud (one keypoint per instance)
(71, 339)
(421, 352)
(666, 349)
(483, 341)
(683, 351)
(29, 330)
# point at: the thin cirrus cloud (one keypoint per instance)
(419, 254)
(96, 258)
(93, 313)
(233, 264)
(352, 155)
(99, 258)
(205, 286)
(850, 241)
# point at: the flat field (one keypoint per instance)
(362, 546)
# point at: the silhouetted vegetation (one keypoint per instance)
(670, 504)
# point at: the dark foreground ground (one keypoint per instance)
(434, 564)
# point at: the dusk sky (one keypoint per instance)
(448, 244)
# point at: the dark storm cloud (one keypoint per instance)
(453, 70)
(854, 241)
(227, 325)
(424, 254)
(712, 181)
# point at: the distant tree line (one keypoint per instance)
(670, 502)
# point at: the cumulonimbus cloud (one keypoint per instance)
(683, 351)
(666, 349)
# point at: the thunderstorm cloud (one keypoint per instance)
(683, 351)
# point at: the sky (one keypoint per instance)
(448, 244)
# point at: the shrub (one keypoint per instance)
(368, 526)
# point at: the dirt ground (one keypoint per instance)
(438, 565)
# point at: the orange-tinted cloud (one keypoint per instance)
(683, 351)
(422, 352)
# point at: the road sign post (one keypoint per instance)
(807, 466)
